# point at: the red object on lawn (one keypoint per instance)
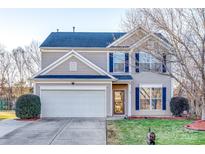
(196, 125)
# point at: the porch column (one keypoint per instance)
(129, 100)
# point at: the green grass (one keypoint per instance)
(7, 115)
(168, 132)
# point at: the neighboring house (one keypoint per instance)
(102, 74)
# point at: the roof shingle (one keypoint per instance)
(81, 39)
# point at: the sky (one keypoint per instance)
(18, 27)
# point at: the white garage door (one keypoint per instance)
(72, 103)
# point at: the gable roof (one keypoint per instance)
(148, 33)
(162, 37)
(66, 57)
(81, 39)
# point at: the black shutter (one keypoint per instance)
(137, 58)
(137, 98)
(126, 62)
(164, 94)
(111, 62)
(164, 63)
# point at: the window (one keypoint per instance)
(119, 62)
(149, 63)
(73, 66)
(150, 98)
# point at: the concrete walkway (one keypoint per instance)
(9, 125)
(71, 131)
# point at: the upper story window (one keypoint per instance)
(118, 62)
(149, 63)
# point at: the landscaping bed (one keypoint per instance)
(168, 132)
(197, 125)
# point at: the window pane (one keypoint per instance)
(119, 62)
(144, 104)
(144, 93)
(149, 62)
(144, 66)
(119, 67)
(157, 93)
(119, 57)
(153, 59)
(156, 67)
(156, 104)
(144, 57)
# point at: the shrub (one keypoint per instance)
(28, 106)
(178, 105)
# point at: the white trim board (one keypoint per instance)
(69, 82)
(96, 50)
(72, 87)
(129, 100)
(78, 56)
(151, 85)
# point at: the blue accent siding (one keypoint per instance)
(164, 94)
(137, 58)
(126, 62)
(72, 77)
(137, 98)
(111, 62)
(123, 77)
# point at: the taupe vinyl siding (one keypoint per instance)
(82, 68)
(48, 58)
(98, 58)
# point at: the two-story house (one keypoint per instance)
(102, 74)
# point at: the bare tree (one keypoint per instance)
(18, 56)
(3, 68)
(33, 57)
(16, 68)
(185, 30)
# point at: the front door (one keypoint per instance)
(118, 101)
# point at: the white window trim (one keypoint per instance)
(150, 100)
(118, 63)
(129, 100)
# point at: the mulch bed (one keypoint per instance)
(32, 119)
(197, 125)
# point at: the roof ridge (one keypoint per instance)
(87, 32)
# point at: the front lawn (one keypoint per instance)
(7, 115)
(167, 132)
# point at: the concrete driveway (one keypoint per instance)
(71, 131)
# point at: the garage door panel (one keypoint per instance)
(73, 103)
